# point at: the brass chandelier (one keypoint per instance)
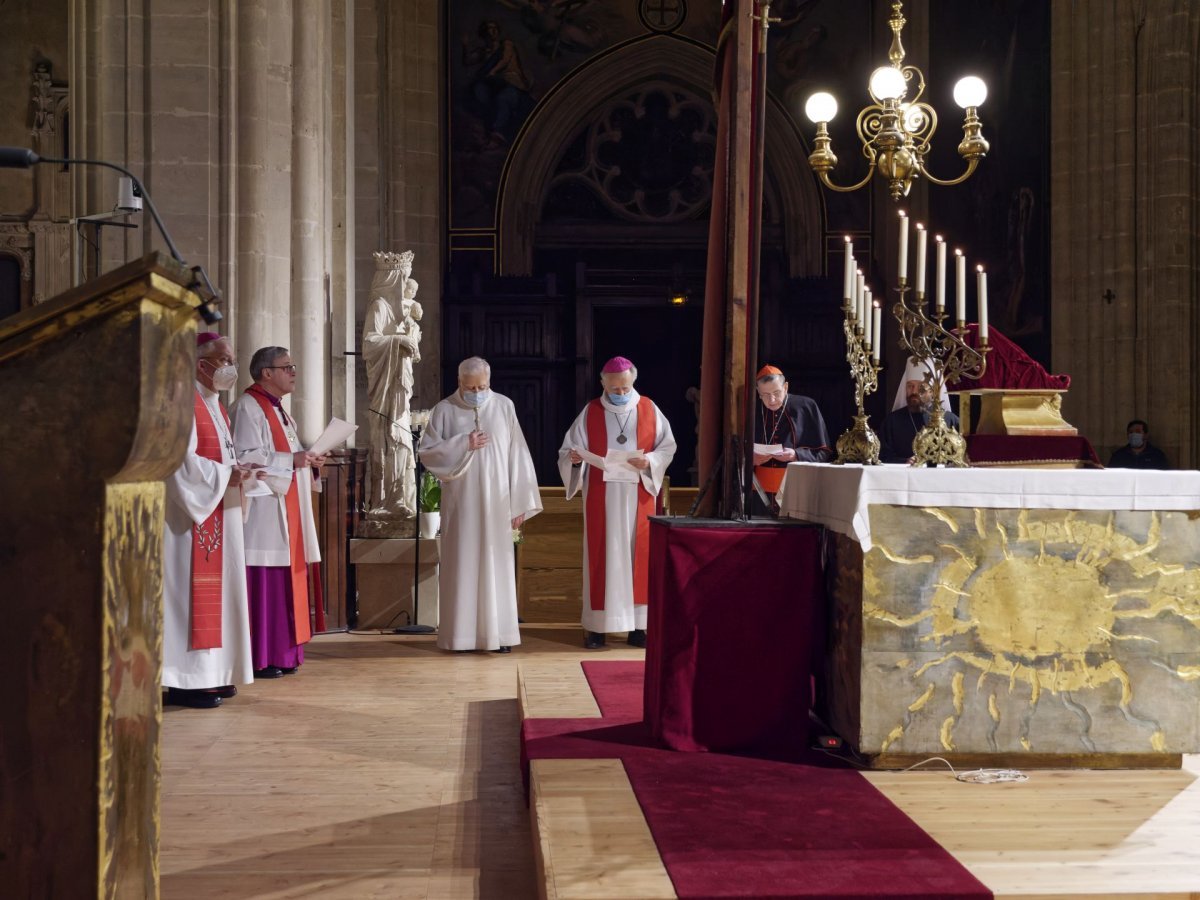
(896, 129)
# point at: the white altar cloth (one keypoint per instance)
(838, 496)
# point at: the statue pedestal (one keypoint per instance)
(384, 573)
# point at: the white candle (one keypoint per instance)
(867, 316)
(960, 285)
(940, 276)
(920, 261)
(848, 281)
(981, 289)
(876, 330)
(859, 287)
(903, 244)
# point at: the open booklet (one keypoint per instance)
(615, 464)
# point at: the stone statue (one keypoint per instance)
(391, 345)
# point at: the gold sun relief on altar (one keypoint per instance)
(1020, 616)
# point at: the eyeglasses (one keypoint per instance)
(291, 370)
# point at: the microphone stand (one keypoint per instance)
(415, 627)
(20, 158)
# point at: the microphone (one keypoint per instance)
(22, 158)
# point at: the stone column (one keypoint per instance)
(342, 216)
(264, 175)
(1125, 220)
(415, 170)
(309, 243)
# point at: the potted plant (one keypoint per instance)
(429, 502)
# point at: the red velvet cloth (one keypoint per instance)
(734, 826)
(733, 620)
(993, 449)
(1008, 367)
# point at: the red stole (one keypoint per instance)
(208, 542)
(302, 630)
(594, 509)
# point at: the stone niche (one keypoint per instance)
(1029, 637)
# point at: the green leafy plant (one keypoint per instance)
(431, 493)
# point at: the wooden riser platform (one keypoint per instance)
(1062, 834)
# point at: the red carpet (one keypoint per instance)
(737, 826)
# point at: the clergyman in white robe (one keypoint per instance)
(483, 491)
(616, 611)
(192, 493)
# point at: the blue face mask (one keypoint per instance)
(619, 399)
(1136, 439)
(474, 398)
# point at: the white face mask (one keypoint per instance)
(475, 398)
(224, 378)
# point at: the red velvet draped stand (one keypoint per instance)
(737, 633)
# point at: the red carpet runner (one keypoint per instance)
(736, 826)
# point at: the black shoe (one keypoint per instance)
(593, 640)
(503, 649)
(224, 692)
(268, 672)
(289, 670)
(637, 638)
(192, 699)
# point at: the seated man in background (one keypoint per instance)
(1139, 453)
(911, 412)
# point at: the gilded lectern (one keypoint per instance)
(96, 387)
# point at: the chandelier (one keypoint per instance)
(896, 129)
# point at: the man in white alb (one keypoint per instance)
(206, 628)
(617, 499)
(474, 445)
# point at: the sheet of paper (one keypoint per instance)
(590, 458)
(768, 449)
(617, 468)
(335, 434)
(266, 480)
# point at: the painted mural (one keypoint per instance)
(508, 54)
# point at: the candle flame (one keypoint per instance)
(957, 252)
(920, 227)
(903, 214)
(979, 268)
(846, 239)
(938, 238)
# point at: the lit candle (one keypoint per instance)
(981, 289)
(867, 306)
(860, 284)
(920, 261)
(849, 271)
(940, 277)
(877, 331)
(960, 285)
(903, 244)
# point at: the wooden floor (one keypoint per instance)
(387, 768)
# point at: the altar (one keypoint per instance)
(1016, 616)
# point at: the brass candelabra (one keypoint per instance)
(859, 444)
(948, 359)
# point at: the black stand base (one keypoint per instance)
(414, 629)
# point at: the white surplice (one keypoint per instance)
(192, 494)
(620, 613)
(482, 492)
(267, 523)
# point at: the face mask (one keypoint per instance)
(224, 378)
(619, 399)
(475, 398)
(1137, 439)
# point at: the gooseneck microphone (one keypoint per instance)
(22, 158)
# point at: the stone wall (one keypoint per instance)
(1125, 219)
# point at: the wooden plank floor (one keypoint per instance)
(1062, 834)
(387, 768)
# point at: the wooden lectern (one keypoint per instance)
(97, 388)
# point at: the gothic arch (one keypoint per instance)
(575, 101)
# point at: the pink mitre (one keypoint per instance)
(206, 337)
(616, 364)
